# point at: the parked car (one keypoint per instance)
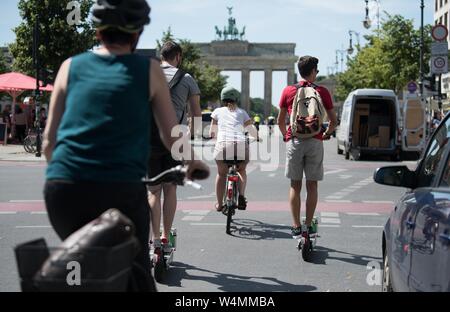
(416, 237)
(370, 124)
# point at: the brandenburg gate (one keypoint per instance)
(230, 52)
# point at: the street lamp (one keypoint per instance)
(341, 53)
(367, 22)
(350, 49)
(422, 6)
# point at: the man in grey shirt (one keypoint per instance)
(185, 95)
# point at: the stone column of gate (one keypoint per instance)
(267, 92)
(245, 90)
(291, 77)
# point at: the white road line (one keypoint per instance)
(199, 197)
(339, 201)
(335, 171)
(8, 212)
(193, 218)
(330, 220)
(368, 226)
(208, 224)
(378, 202)
(334, 197)
(330, 214)
(363, 214)
(272, 175)
(27, 201)
(345, 177)
(33, 227)
(329, 225)
(197, 212)
(355, 186)
(38, 212)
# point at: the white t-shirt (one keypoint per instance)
(230, 124)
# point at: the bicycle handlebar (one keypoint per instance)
(177, 175)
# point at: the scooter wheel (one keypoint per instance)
(306, 251)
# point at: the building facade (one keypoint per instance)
(441, 17)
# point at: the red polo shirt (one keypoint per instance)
(287, 99)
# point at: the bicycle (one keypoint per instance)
(161, 261)
(30, 141)
(103, 251)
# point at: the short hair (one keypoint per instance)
(116, 36)
(306, 64)
(170, 50)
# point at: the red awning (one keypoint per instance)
(19, 82)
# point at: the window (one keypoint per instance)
(430, 164)
(446, 19)
(436, 5)
(440, 20)
(440, 3)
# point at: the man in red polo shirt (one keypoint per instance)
(305, 155)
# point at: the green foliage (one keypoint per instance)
(58, 40)
(208, 77)
(257, 107)
(4, 68)
(389, 61)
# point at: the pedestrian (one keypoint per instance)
(97, 138)
(305, 151)
(21, 124)
(185, 95)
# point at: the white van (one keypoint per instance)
(370, 124)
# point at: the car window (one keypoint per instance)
(433, 157)
(445, 181)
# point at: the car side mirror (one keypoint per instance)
(395, 176)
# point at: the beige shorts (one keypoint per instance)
(305, 156)
(232, 151)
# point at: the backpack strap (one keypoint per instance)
(179, 75)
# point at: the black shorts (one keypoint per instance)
(160, 161)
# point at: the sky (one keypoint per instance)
(317, 27)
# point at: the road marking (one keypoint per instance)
(339, 201)
(207, 224)
(329, 225)
(378, 202)
(335, 171)
(33, 227)
(334, 197)
(368, 226)
(193, 218)
(8, 212)
(355, 186)
(26, 201)
(272, 175)
(200, 197)
(345, 177)
(330, 220)
(330, 214)
(38, 212)
(363, 214)
(197, 212)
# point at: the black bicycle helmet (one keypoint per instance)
(126, 15)
(230, 94)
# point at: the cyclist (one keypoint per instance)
(229, 124)
(271, 123)
(257, 122)
(97, 139)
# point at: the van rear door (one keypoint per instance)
(414, 125)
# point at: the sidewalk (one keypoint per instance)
(17, 153)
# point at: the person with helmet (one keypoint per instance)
(271, 123)
(97, 139)
(229, 124)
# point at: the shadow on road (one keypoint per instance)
(230, 282)
(257, 230)
(321, 254)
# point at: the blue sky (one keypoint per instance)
(318, 27)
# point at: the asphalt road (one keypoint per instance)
(260, 255)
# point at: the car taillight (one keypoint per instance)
(233, 178)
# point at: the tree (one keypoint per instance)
(257, 107)
(389, 61)
(4, 68)
(58, 40)
(208, 77)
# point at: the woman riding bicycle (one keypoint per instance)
(229, 124)
(97, 139)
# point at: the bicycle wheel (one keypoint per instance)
(229, 218)
(29, 144)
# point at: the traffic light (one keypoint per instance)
(430, 83)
